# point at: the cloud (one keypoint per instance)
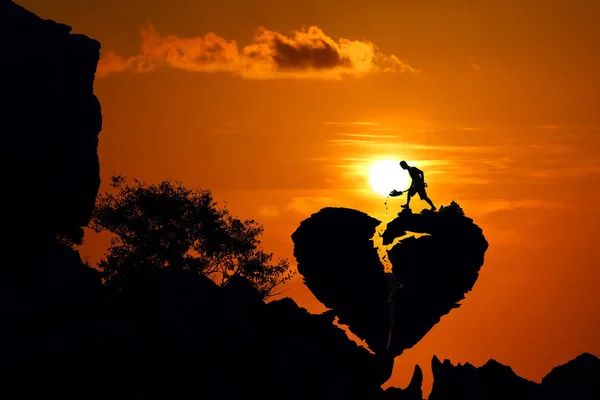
(367, 135)
(310, 204)
(307, 53)
(269, 211)
(557, 127)
(363, 123)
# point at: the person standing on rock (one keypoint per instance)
(417, 185)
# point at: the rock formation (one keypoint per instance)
(412, 392)
(51, 121)
(340, 265)
(577, 379)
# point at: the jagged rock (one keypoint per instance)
(412, 392)
(340, 265)
(578, 379)
(435, 270)
(491, 381)
(51, 120)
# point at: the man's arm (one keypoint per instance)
(420, 173)
(422, 176)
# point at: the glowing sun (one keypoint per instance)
(387, 175)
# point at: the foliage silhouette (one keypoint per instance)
(70, 236)
(169, 226)
(453, 209)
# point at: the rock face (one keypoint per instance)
(413, 390)
(491, 381)
(577, 379)
(436, 270)
(51, 121)
(340, 265)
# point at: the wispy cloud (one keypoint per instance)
(269, 211)
(358, 123)
(472, 129)
(558, 127)
(492, 207)
(367, 135)
(446, 148)
(310, 204)
(566, 172)
(306, 53)
(356, 142)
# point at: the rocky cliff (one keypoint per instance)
(51, 120)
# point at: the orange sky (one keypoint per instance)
(497, 102)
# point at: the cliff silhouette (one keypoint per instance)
(51, 121)
(175, 334)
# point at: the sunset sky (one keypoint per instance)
(280, 107)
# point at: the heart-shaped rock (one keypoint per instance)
(431, 274)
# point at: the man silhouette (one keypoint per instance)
(417, 185)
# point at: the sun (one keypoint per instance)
(387, 175)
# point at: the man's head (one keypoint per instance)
(403, 164)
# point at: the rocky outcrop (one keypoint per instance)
(412, 392)
(341, 267)
(340, 264)
(578, 379)
(435, 270)
(51, 120)
(491, 381)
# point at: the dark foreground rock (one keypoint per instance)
(51, 120)
(171, 335)
(412, 392)
(577, 379)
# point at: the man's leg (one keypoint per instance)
(430, 203)
(408, 197)
(423, 195)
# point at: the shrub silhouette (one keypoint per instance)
(453, 208)
(169, 226)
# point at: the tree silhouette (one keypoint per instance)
(169, 226)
